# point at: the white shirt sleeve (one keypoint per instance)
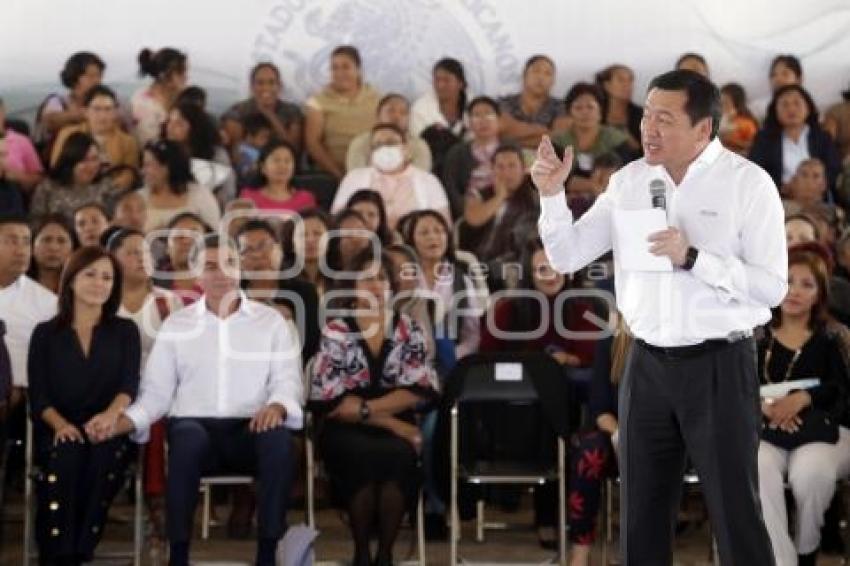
(206, 205)
(353, 181)
(421, 114)
(571, 246)
(761, 277)
(286, 386)
(156, 391)
(432, 194)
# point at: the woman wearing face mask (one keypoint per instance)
(52, 244)
(169, 69)
(340, 111)
(790, 135)
(392, 109)
(403, 187)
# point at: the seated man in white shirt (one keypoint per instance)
(227, 372)
(23, 302)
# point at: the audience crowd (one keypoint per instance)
(167, 276)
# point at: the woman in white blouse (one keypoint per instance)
(170, 188)
(444, 278)
(147, 306)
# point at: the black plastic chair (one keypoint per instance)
(507, 379)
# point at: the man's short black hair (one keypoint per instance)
(258, 224)
(703, 96)
(13, 218)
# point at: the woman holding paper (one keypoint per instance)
(796, 346)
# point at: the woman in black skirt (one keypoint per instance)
(369, 375)
(83, 372)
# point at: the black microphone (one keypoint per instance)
(658, 194)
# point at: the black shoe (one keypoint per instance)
(435, 527)
(807, 559)
(548, 544)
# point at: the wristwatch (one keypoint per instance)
(364, 411)
(690, 259)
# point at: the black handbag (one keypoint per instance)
(817, 426)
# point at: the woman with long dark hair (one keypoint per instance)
(369, 375)
(169, 69)
(195, 131)
(791, 133)
(738, 126)
(796, 345)
(170, 187)
(276, 165)
(83, 371)
(73, 181)
(371, 207)
(439, 115)
(616, 83)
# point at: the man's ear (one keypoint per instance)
(705, 125)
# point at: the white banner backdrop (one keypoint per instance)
(401, 39)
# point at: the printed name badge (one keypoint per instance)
(508, 372)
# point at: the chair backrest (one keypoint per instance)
(507, 396)
(322, 186)
(487, 379)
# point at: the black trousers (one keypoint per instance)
(705, 407)
(200, 447)
(77, 484)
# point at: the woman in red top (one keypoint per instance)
(276, 166)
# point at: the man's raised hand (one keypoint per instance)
(548, 172)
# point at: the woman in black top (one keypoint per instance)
(792, 118)
(797, 346)
(370, 373)
(83, 372)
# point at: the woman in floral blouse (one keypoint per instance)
(369, 375)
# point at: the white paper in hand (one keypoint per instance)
(632, 229)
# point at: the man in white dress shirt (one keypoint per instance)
(227, 372)
(690, 388)
(23, 302)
